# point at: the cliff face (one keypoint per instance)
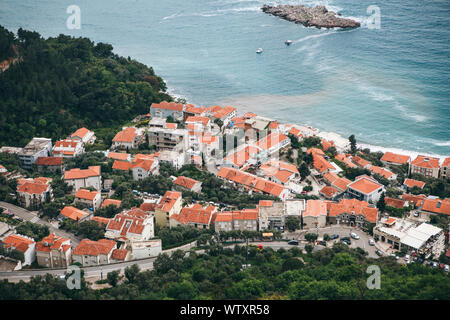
(317, 16)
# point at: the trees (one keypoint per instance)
(304, 170)
(33, 230)
(131, 273)
(113, 278)
(311, 237)
(352, 140)
(381, 204)
(292, 223)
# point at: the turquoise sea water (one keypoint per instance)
(389, 86)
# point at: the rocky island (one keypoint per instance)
(317, 16)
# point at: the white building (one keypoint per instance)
(37, 147)
(145, 249)
(24, 244)
(68, 148)
(133, 225)
(92, 198)
(365, 189)
(84, 135)
(141, 169)
(78, 178)
(94, 253)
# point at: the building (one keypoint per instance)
(24, 244)
(127, 139)
(3, 170)
(142, 169)
(444, 172)
(189, 184)
(84, 135)
(74, 214)
(411, 183)
(111, 202)
(322, 165)
(101, 220)
(68, 148)
(426, 240)
(241, 158)
(78, 178)
(168, 139)
(365, 189)
(166, 109)
(120, 255)
(352, 212)
(279, 171)
(171, 203)
(32, 193)
(273, 143)
(360, 162)
(246, 219)
(224, 114)
(198, 124)
(315, 215)
(415, 200)
(252, 183)
(92, 199)
(390, 158)
(329, 192)
(176, 158)
(272, 215)
(435, 206)
(54, 252)
(93, 253)
(396, 203)
(37, 147)
(197, 216)
(191, 111)
(427, 166)
(119, 156)
(53, 164)
(383, 172)
(134, 225)
(345, 159)
(336, 182)
(146, 249)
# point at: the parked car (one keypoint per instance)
(371, 242)
(379, 253)
(323, 243)
(354, 236)
(407, 257)
(334, 236)
(345, 238)
(416, 214)
(435, 265)
(346, 241)
(293, 242)
(446, 268)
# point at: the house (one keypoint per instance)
(435, 206)
(134, 225)
(168, 138)
(141, 169)
(242, 157)
(3, 170)
(444, 172)
(146, 249)
(111, 202)
(86, 178)
(197, 216)
(246, 219)
(208, 144)
(411, 183)
(37, 147)
(253, 183)
(22, 243)
(394, 159)
(415, 200)
(360, 162)
(84, 135)
(273, 143)
(119, 156)
(224, 114)
(68, 148)
(425, 239)
(352, 212)
(366, 189)
(166, 109)
(296, 133)
(272, 215)
(321, 164)
(189, 184)
(74, 214)
(345, 159)
(336, 182)
(120, 255)
(329, 192)
(53, 164)
(279, 171)
(177, 158)
(127, 139)
(32, 193)
(427, 166)
(191, 111)
(93, 253)
(91, 198)
(101, 221)
(396, 203)
(315, 215)
(54, 252)
(170, 204)
(198, 124)
(383, 172)
(326, 144)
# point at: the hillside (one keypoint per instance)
(63, 83)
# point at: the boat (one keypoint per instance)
(288, 42)
(260, 50)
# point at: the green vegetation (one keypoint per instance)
(292, 223)
(33, 230)
(180, 235)
(70, 83)
(87, 229)
(433, 186)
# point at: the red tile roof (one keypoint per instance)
(17, 241)
(185, 182)
(148, 206)
(66, 144)
(396, 203)
(395, 158)
(364, 185)
(426, 162)
(271, 140)
(315, 208)
(127, 135)
(327, 144)
(131, 221)
(220, 113)
(49, 161)
(296, 132)
(229, 216)
(143, 164)
(101, 220)
(121, 165)
(168, 106)
(109, 202)
(441, 206)
(321, 164)
(329, 191)
(314, 151)
(94, 248)
(345, 159)
(93, 171)
(52, 241)
(356, 206)
(381, 171)
(239, 158)
(80, 133)
(410, 183)
(197, 119)
(360, 161)
(170, 125)
(416, 199)
(168, 200)
(118, 156)
(446, 162)
(33, 188)
(86, 194)
(265, 203)
(195, 214)
(120, 254)
(73, 213)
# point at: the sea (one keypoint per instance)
(386, 82)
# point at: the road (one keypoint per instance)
(33, 217)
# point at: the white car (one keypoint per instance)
(446, 268)
(407, 257)
(354, 236)
(371, 242)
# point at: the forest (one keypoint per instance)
(58, 85)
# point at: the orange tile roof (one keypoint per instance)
(86, 194)
(413, 183)
(327, 144)
(353, 205)
(381, 171)
(393, 202)
(66, 144)
(118, 156)
(109, 202)
(345, 160)
(321, 164)
(360, 161)
(364, 185)
(141, 156)
(33, 188)
(193, 109)
(143, 164)
(185, 182)
(314, 151)
(446, 162)
(73, 213)
(271, 140)
(265, 203)
(239, 158)
(315, 208)
(93, 171)
(101, 220)
(52, 241)
(49, 161)
(148, 206)
(121, 165)
(94, 248)
(220, 113)
(273, 125)
(17, 241)
(195, 214)
(131, 221)
(250, 115)
(120, 254)
(197, 119)
(127, 135)
(80, 133)
(395, 158)
(168, 106)
(329, 191)
(426, 162)
(168, 200)
(229, 216)
(416, 199)
(296, 132)
(437, 205)
(170, 125)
